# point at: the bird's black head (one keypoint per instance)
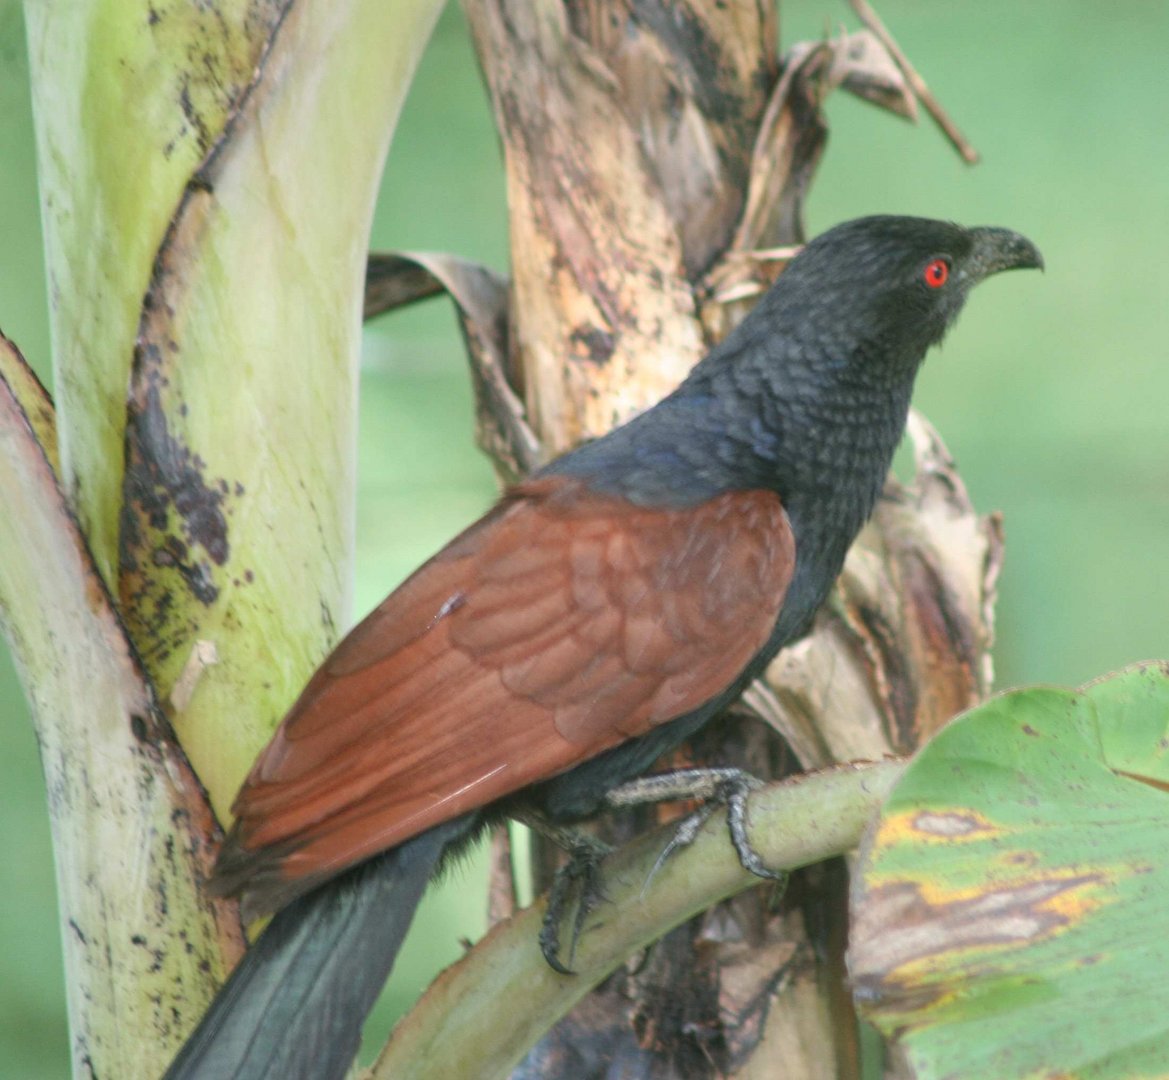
(808, 395)
(884, 289)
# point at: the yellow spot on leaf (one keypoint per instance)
(944, 826)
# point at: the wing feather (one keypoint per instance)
(559, 625)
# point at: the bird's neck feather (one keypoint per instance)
(820, 435)
(822, 444)
(769, 413)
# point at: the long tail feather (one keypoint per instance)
(293, 1008)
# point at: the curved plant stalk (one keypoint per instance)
(458, 1028)
(208, 175)
(480, 296)
(132, 833)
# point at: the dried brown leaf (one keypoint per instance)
(862, 65)
(480, 297)
(918, 85)
(787, 150)
(393, 281)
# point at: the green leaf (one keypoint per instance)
(1010, 914)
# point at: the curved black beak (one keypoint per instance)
(1001, 249)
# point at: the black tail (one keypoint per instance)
(294, 1006)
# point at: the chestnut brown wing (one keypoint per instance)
(561, 624)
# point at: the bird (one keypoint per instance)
(598, 615)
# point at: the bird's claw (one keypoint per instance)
(581, 874)
(684, 835)
(717, 787)
(735, 796)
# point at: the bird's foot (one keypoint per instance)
(580, 876)
(715, 787)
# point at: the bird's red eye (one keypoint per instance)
(936, 272)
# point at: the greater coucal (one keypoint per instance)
(594, 619)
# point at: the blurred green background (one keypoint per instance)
(1052, 394)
